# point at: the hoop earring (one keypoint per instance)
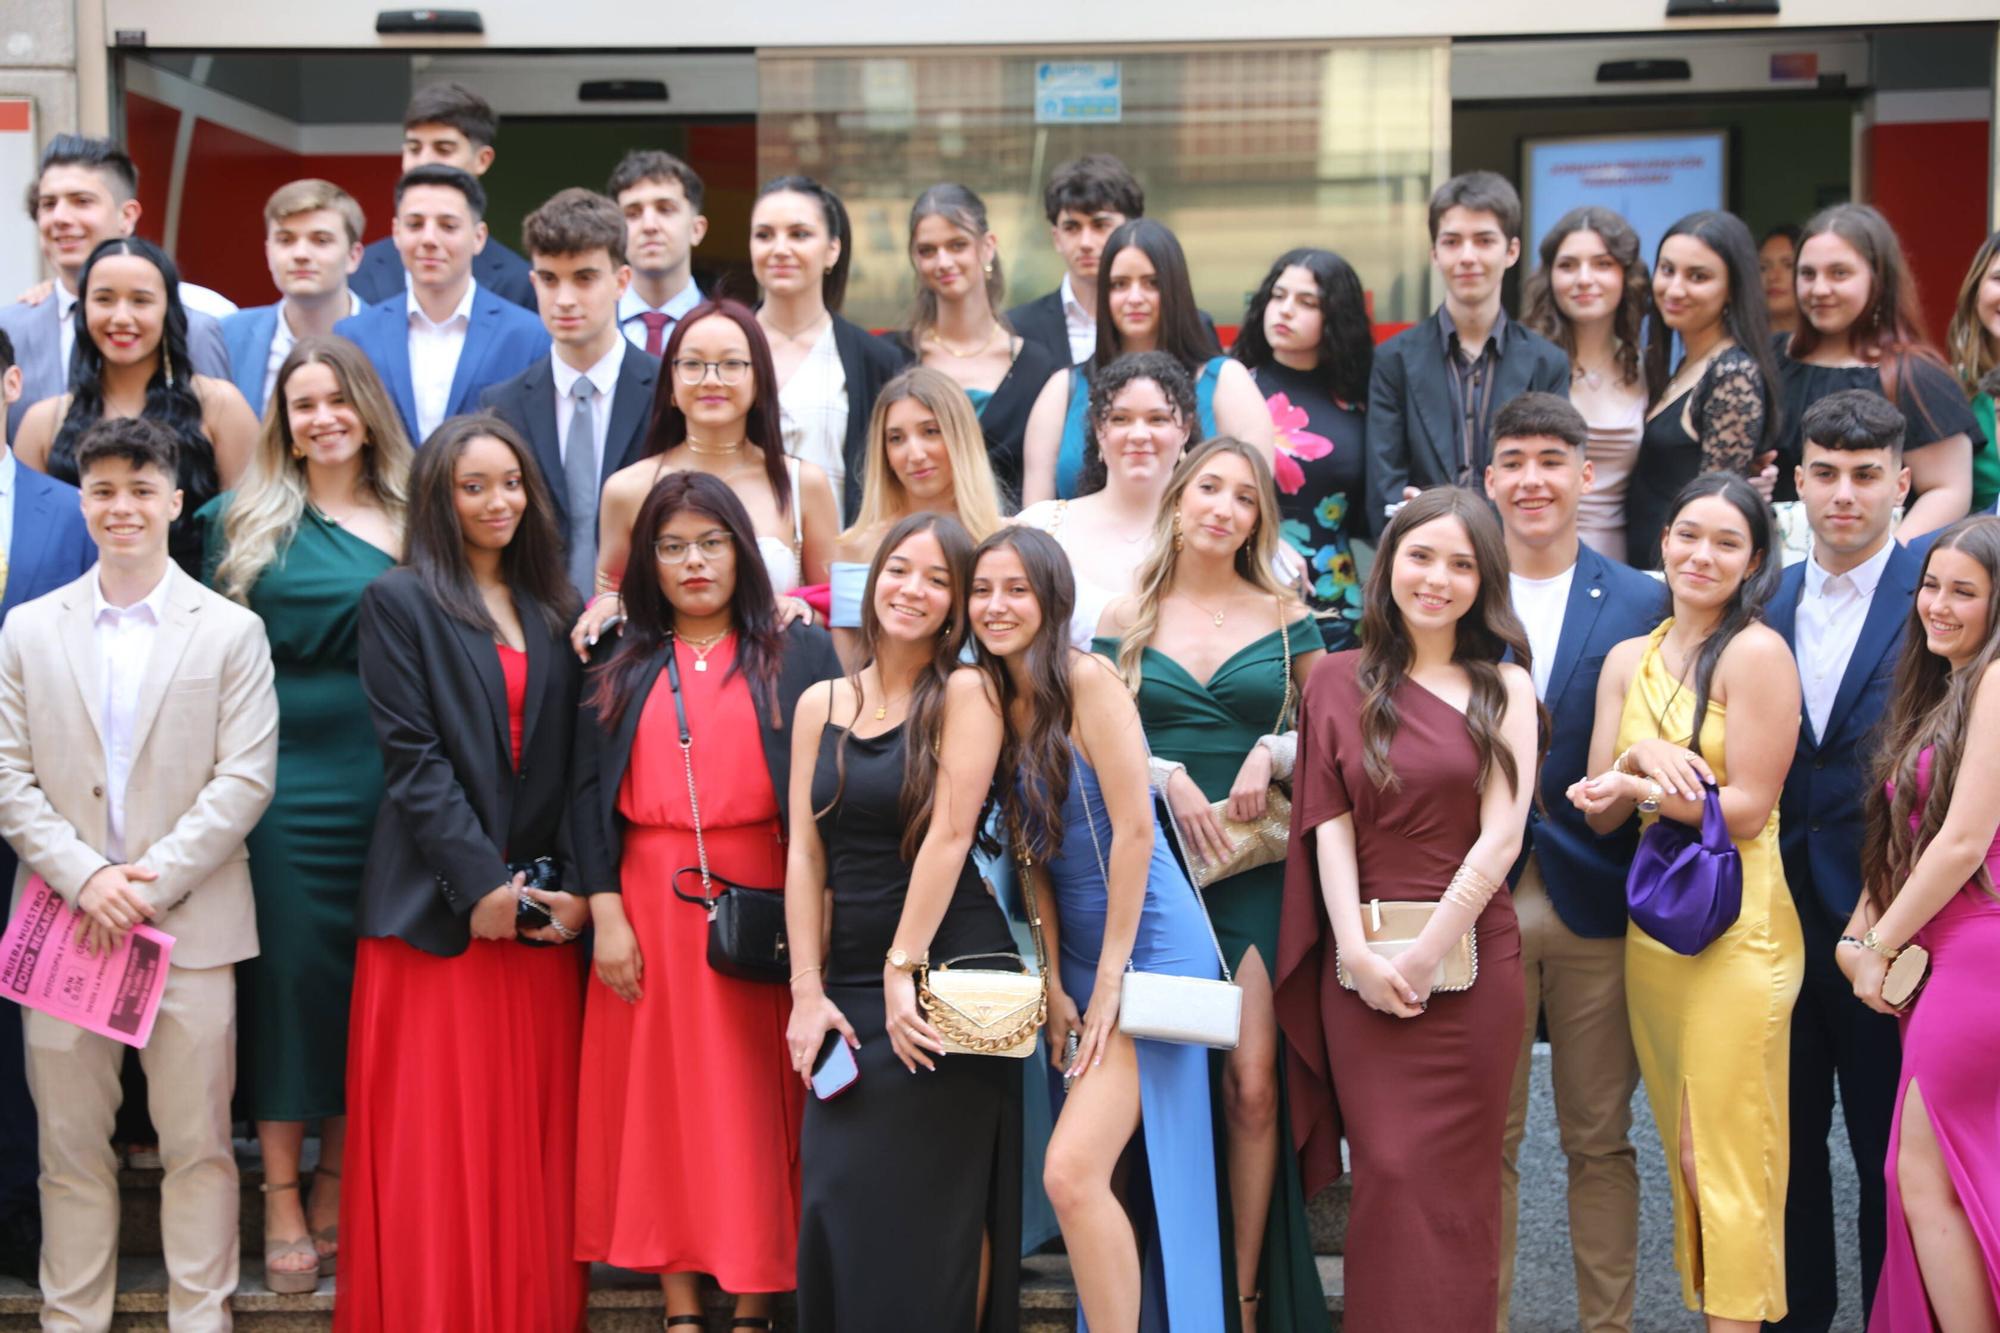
(1178, 539)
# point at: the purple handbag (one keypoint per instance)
(1686, 885)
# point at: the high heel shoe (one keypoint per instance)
(288, 1281)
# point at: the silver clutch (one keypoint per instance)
(1192, 1010)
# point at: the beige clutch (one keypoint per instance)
(1393, 927)
(983, 1011)
(1250, 845)
(1908, 972)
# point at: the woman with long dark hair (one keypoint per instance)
(702, 656)
(1416, 765)
(1710, 699)
(1589, 296)
(1145, 303)
(1929, 864)
(462, 1067)
(1861, 328)
(131, 360)
(956, 326)
(1973, 343)
(910, 1187)
(1110, 894)
(1307, 342)
(1718, 410)
(317, 518)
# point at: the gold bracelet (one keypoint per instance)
(1470, 889)
(808, 971)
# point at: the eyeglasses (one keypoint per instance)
(673, 551)
(692, 371)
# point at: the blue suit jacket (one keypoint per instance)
(1820, 813)
(503, 341)
(1585, 874)
(247, 334)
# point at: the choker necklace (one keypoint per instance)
(693, 447)
(703, 647)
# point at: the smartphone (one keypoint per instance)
(1070, 1045)
(834, 1071)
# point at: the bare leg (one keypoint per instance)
(1098, 1120)
(1948, 1252)
(323, 1215)
(985, 1276)
(284, 1212)
(753, 1305)
(1250, 1108)
(682, 1292)
(1716, 1324)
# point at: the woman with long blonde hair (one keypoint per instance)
(1973, 343)
(318, 516)
(1215, 650)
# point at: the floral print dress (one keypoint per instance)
(1320, 463)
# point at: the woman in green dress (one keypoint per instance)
(318, 516)
(1215, 648)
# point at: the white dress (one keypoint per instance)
(781, 558)
(813, 414)
(1091, 598)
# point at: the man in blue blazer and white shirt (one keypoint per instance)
(1845, 610)
(444, 340)
(1569, 889)
(312, 242)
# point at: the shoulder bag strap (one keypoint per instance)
(1285, 635)
(707, 898)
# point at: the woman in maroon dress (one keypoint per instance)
(1415, 767)
(689, 1135)
(461, 1069)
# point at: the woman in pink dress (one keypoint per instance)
(1932, 852)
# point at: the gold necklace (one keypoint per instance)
(731, 451)
(932, 336)
(1216, 616)
(882, 709)
(703, 647)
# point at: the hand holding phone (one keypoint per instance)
(834, 1071)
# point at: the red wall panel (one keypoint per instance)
(1930, 182)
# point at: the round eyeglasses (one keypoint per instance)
(692, 370)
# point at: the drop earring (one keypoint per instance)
(1178, 539)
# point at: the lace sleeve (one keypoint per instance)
(1729, 414)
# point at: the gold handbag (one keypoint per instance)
(1260, 842)
(986, 1011)
(1392, 927)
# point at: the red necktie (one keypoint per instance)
(656, 330)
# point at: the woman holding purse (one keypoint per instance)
(910, 1212)
(1213, 649)
(1109, 894)
(1417, 758)
(701, 656)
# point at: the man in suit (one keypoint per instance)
(1569, 890)
(46, 545)
(446, 124)
(1844, 610)
(86, 193)
(584, 407)
(312, 242)
(661, 197)
(138, 745)
(1436, 385)
(437, 344)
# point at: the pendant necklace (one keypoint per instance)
(1216, 616)
(703, 647)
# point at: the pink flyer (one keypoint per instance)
(115, 995)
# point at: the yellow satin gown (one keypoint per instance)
(1718, 1027)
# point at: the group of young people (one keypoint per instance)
(340, 671)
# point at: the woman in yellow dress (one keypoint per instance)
(1713, 1030)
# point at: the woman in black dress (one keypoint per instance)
(1718, 410)
(1306, 340)
(911, 1186)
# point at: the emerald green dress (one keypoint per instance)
(1210, 728)
(307, 850)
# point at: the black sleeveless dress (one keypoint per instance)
(903, 1174)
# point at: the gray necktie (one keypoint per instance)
(580, 472)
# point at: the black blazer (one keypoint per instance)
(603, 756)
(528, 404)
(868, 363)
(456, 811)
(496, 268)
(1041, 322)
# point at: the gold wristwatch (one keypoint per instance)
(1873, 943)
(901, 960)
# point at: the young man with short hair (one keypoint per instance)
(446, 124)
(584, 407)
(85, 193)
(661, 198)
(1086, 200)
(138, 746)
(1569, 888)
(1843, 609)
(312, 243)
(440, 341)
(1436, 385)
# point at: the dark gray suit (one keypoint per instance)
(37, 334)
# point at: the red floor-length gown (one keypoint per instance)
(689, 1141)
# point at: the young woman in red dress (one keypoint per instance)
(688, 1156)
(462, 1046)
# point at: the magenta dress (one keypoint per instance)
(1949, 1035)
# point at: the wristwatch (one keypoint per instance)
(1873, 943)
(901, 960)
(1650, 803)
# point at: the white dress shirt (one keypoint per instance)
(65, 330)
(8, 492)
(1831, 610)
(282, 339)
(1540, 603)
(604, 377)
(124, 645)
(434, 351)
(632, 309)
(1082, 324)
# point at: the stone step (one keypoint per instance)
(620, 1302)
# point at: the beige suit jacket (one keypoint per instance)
(205, 754)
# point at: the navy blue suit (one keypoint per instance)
(51, 547)
(502, 341)
(1835, 1038)
(496, 268)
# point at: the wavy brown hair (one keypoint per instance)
(1486, 634)
(1930, 708)
(1890, 332)
(1540, 312)
(1036, 758)
(1974, 352)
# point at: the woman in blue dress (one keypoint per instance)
(1144, 303)
(1111, 896)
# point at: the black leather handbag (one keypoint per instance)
(544, 874)
(746, 926)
